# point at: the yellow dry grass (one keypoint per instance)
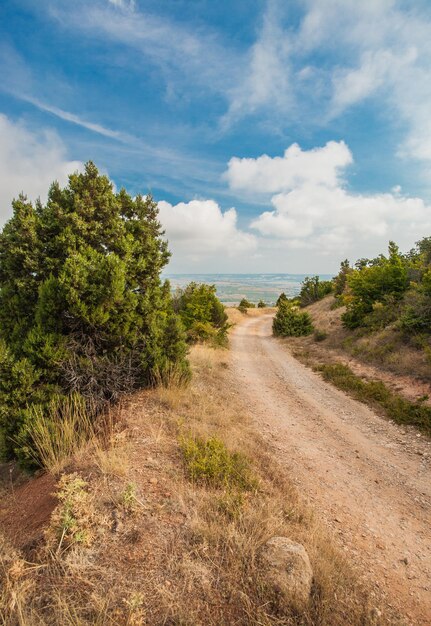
(236, 317)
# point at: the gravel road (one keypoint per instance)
(365, 476)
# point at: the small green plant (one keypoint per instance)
(319, 335)
(230, 503)
(210, 462)
(244, 305)
(261, 304)
(376, 393)
(72, 521)
(291, 322)
(129, 499)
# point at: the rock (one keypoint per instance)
(288, 569)
(375, 614)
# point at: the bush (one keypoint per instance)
(281, 298)
(261, 304)
(290, 322)
(396, 407)
(374, 281)
(82, 307)
(244, 305)
(314, 289)
(210, 462)
(203, 315)
(340, 281)
(416, 317)
(319, 335)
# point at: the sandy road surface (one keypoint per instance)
(367, 477)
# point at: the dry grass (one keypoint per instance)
(188, 553)
(385, 349)
(236, 317)
(60, 430)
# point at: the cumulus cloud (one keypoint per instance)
(199, 229)
(270, 174)
(29, 162)
(314, 207)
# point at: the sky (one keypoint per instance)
(276, 136)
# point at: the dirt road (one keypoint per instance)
(368, 478)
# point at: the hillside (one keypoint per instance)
(380, 355)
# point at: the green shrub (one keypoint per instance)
(82, 307)
(281, 298)
(319, 335)
(416, 316)
(261, 304)
(314, 289)
(245, 304)
(395, 406)
(210, 462)
(290, 322)
(381, 280)
(337, 303)
(340, 281)
(203, 315)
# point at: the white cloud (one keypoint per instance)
(75, 119)
(386, 49)
(376, 70)
(29, 163)
(314, 208)
(265, 80)
(199, 229)
(185, 56)
(271, 174)
(123, 4)
(313, 211)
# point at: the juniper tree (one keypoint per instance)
(82, 306)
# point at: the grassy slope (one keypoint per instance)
(164, 549)
(378, 368)
(384, 348)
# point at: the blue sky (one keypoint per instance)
(184, 99)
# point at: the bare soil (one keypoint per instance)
(367, 477)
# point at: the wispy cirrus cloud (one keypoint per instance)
(76, 119)
(182, 52)
(266, 81)
(387, 50)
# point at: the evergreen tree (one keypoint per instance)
(281, 298)
(289, 321)
(203, 315)
(82, 306)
